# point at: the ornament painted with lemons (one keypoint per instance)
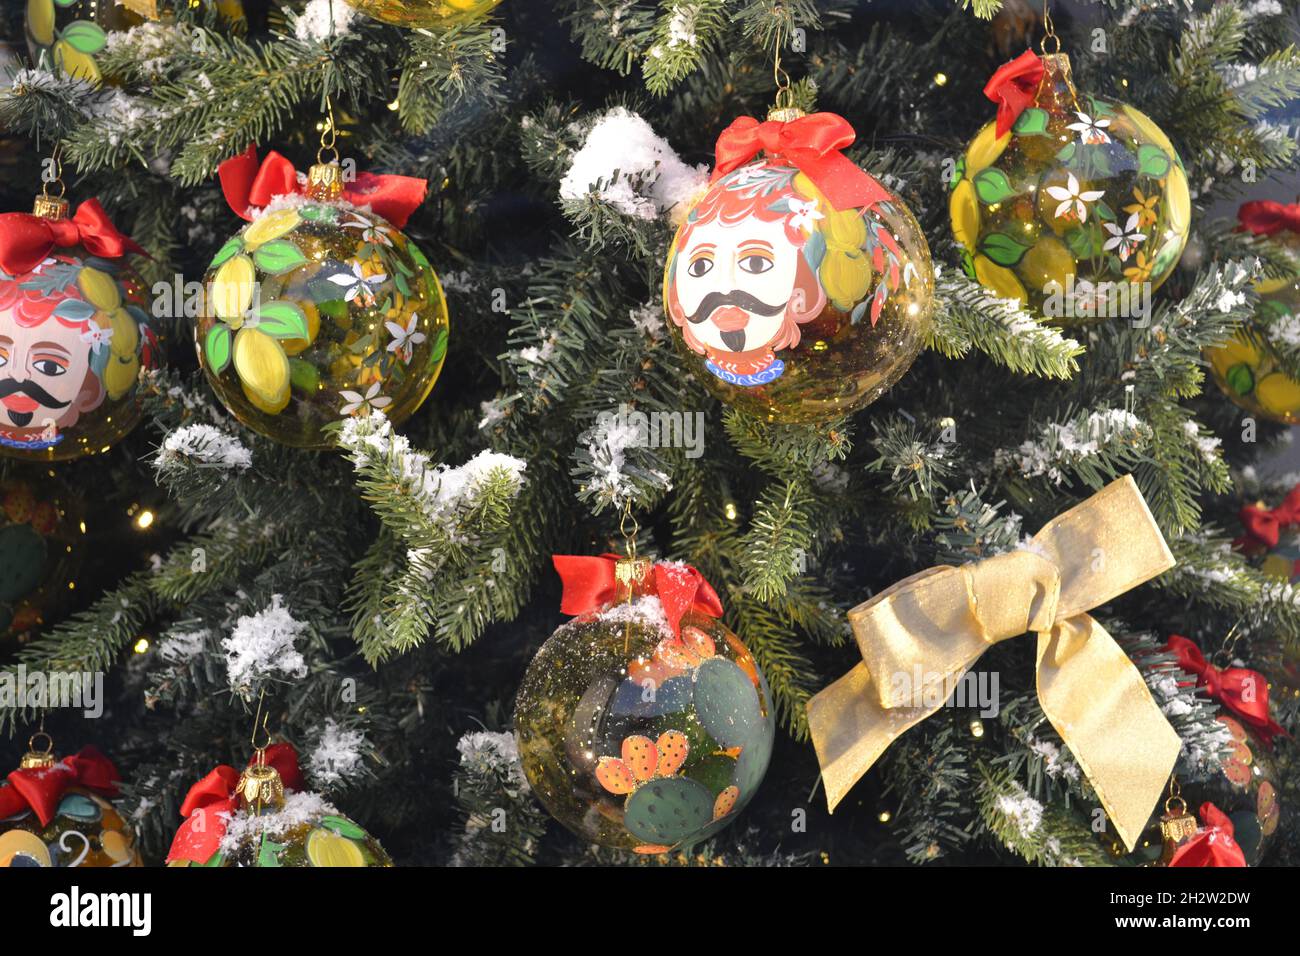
(1253, 371)
(1079, 211)
(425, 13)
(71, 33)
(318, 310)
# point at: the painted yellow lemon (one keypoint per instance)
(1278, 394)
(75, 63)
(1269, 286)
(116, 845)
(1147, 127)
(271, 226)
(999, 279)
(325, 848)
(20, 848)
(263, 370)
(120, 375)
(1277, 567)
(99, 289)
(1047, 261)
(126, 334)
(40, 21)
(232, 288)
(1239, 351)
(985, 149)
(964, 210)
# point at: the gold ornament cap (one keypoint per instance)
(1056, 89)
(325, 181)
(630, 572)
(260, 788)
(50, 207)
(785, 114)
(37, 759)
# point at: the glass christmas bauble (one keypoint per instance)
(792, 310)
(59, 815)
(74, 337)
(425, 13)
(1080, 211)
(71, 33)
(317, 310)
(638, 738)
(305, 831)
(40, 552)
(1250, 369)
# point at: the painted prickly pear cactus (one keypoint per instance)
(638, 738)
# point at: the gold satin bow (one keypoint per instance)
(940, 621)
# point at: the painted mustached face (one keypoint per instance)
(45, 375)
(735, 283)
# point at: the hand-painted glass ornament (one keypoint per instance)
(74, 335)
(70, 33)
(266, 817)
(40, 552)
(644, 723)
(425, 13)
(1251, 369)
(57, 812)
(320, 308)
(1072, 204)
(798, 285)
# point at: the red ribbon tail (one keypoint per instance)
(199, 837)
(25, 241)
(1013, 86)
(236, 175)
(588, 582)
(43, 788)
(94, 771)
(392, 197)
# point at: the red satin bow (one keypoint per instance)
(589, 585)
(1214, 845)
(1264, 525)
(1264, 217)
(812, 145)
(25, 240)
(248, 185)
(1239, 689)
(211, 803)
(41, 789)
(1013, 87)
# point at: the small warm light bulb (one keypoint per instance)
(141, 645)
(941, 79)
(730, 511)
(395, 105)
(144, 519)
(977, 728)
(884, 816)
(82, 526)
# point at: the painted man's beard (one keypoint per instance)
(33, 391)
(713, 301)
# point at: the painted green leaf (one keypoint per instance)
(282, 319)
(216, 347)
(1085, 242)
(992, 186)
(439, 346)
(268, 854)
(278, 257)
(1032, 122)
(1003, 249)
(84, 36)
(968, 263)
(226, 252)
(1067, 152)
(66, 3)
(343, 827)
(958, 171)
(1153, 161)
(1100, 107)
(1241, 379)
(399, 280)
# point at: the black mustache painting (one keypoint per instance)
(9, 386)
(713, 301)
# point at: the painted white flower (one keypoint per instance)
(358, 286)
(406, 339)
(96, 337)
(805, 213)
(1124, 240)
(370, 231)
(747, 174)
(1070, 198)
(1091, 131)
(47, 261)
(371, 401)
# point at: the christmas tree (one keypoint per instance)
(293, 544)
